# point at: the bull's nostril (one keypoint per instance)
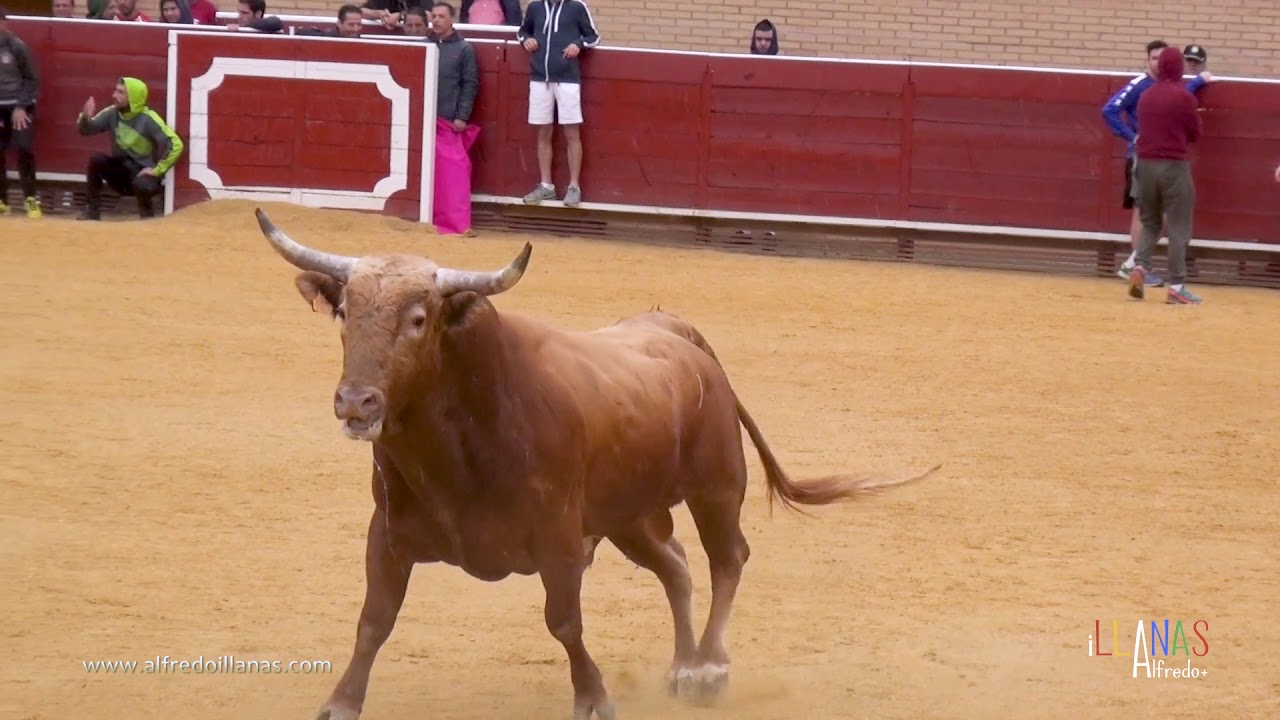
(370, 403)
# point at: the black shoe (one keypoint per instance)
(89, 214)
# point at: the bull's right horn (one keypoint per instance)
(305, 258)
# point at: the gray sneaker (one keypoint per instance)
(572, 195)
(540, 193)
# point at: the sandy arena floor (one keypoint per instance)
(174, 484)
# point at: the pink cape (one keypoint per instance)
(451, 208)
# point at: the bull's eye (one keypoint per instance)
(418, 321)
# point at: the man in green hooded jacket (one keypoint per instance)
(137, 133)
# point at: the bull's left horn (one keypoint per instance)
(486, 283)
(305, 258)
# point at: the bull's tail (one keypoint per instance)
(814, 491)
(792, 494)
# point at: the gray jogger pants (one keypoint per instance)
(1165, 190)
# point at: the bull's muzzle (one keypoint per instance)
(361, 410)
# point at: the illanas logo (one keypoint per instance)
(1156, 644)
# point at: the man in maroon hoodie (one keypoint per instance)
(1167, 124)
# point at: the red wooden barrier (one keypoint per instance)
(318, 121)
(952, 144)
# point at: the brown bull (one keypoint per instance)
(503, 446)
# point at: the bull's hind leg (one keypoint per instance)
(718, 521)
(387, 579)
(651, 545)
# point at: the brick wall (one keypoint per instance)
(1241, 36)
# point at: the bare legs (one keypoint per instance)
(545, 133)
(573, 148)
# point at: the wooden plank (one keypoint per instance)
(798, 128)
(806, 103)
(863, 169)
(1078, 194)
(993, 84)
(1025, 112)
(823, 76)
(927, 134)
(838, 204)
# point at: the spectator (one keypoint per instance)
(1125, 102)
(415, 23)
(100, 10)
(764, 39)
(169, 12)
(490, 12)
(130, 168)
(193, 12)
(1168, 122)
(390, 12)
(459, 75)
(555, 32)
(1196, 58)
(128, 11)
(252, 15)
(64, 8)
(349, 25)
(19, 87)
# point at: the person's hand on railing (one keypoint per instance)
(1278, 173)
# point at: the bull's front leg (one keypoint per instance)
(387, 579)
(561, 572)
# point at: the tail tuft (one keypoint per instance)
(816, 491)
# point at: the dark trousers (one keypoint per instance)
(1166, 196)
(24, 140)
(121, 173)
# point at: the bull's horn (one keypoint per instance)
(486, 283)
(305, 258)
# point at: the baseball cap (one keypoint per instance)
(1195, 52)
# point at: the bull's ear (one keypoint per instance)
(461, 310)
(322, 292)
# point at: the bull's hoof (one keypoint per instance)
(703, 684)
(333, 712)
(681, 682)
(583, 710)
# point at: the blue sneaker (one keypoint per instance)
(1182, 297)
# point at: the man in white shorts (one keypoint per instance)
(555, 32)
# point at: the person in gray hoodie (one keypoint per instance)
(459, 75)
(19, 86)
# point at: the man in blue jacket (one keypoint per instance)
(555, 32)
(1125, 103)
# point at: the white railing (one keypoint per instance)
(231, 17)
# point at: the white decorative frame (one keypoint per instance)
(377, 73)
